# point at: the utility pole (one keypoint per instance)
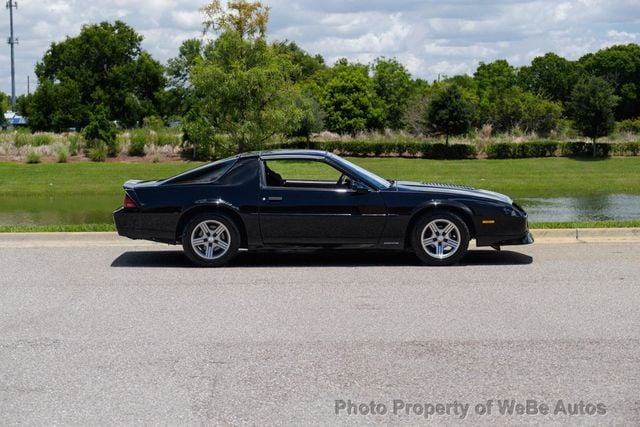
(12, 41)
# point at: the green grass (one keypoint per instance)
(530, 178)
(87, 192)
(56, 228)
(585, 224)
(79, 178)
(521, 178)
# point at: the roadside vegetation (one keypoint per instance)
(100, 117)
(71, 191)
(236, 91)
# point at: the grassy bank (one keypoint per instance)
(530, 178)
(83, 194)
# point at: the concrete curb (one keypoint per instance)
(66, 239)
(586, 235)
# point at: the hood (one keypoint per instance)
(457, 190)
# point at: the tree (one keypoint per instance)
(101, 130)
(494, 78)
(620, 67)
(103, 65)
(5, 103)
(392, 83)
(551, 77)
(247, 19)
(592, 105)
(244, 88)
(449, 112)
(492, 81)
(309, 65)
(312, 116)
(179, 99)
(521, 109)
(349, 99)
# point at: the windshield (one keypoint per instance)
(375, 180)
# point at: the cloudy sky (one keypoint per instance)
(430, 37)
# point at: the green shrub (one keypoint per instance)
(75, 143)
(199, 138)
(99, 152)
(33, 157)
(62, 154)
(585, 149)
(440, 151)
(21, 139)
(138, 138)
(101, 130)
(629, 125)
(626, 148)
(167, 137)
(542, 148)
(153, 122)
(501, 150)
(633, 148)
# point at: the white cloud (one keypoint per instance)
(430, 37)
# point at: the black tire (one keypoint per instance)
(218, 236)
(445, 236)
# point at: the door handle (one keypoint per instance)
(274, 199)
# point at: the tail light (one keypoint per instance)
(128, 202)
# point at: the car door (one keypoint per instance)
(310, 206)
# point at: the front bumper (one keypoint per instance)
(527, 239)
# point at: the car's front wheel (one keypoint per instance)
(440, 238)
(211, 240)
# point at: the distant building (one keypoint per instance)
(14, 119)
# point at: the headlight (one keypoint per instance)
(513, 211)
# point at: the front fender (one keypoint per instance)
(443, 204)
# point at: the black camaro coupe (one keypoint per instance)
(307, 198)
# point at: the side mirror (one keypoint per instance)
(359, 188)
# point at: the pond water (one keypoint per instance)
(605, 207)
(58, 210)
(97, 209)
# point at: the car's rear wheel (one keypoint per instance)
(211, 240)
(440, 238)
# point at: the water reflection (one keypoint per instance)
(97, 209)
(58, 210)
(602, 207)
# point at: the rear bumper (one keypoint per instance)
(158, 227)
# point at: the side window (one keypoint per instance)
(302, 173)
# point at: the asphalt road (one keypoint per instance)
(132, 334)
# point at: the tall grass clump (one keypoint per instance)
(169, 137)
(42, 138)
(62, 154)
(33, 157)
(99, 151)
(76, 143)
(21, 138)
(138, 138)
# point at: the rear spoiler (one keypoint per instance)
(131, 183)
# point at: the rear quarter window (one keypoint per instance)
(206, 174)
